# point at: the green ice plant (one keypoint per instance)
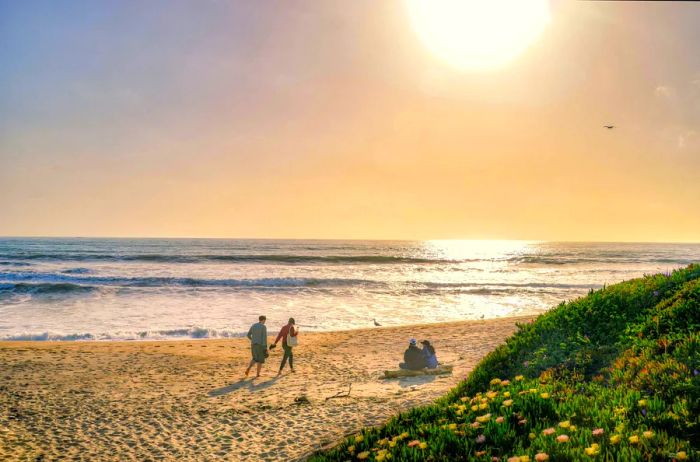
(610, 376)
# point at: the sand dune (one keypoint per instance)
(188, 400)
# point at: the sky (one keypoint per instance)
(332, 119)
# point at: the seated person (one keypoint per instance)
(413, 357)
(431, 361)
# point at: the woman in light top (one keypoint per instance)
(431, 361)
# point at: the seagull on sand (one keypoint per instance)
(375, 322)
(609, 127)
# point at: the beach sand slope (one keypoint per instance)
(188, 400)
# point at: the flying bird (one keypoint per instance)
(609, 127)
(376, 323)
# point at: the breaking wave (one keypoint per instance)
(162, 334)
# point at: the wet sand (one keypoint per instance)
(188, 400)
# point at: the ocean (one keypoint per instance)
(130, 289)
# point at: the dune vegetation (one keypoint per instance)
(611, 376)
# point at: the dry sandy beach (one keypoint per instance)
(187, 400)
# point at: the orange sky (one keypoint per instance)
(332, 120)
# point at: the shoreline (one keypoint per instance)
(187, 400)
(243, 334)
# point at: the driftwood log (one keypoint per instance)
(440, 370)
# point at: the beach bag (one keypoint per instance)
(291, 341)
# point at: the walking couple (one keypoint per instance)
(258, 344)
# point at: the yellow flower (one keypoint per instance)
(518, 378)
(479, 453)
(495, 381)
(423, 445)
(382, 442)
(380, 457)
(634, 439)
(532, 436)
(483, 406)
(648, 434)
(572, 428)
(392, 444)
(475, 407)
(464, 399)
(533, 390)
(452, 426)
(359, 438)
(351, 449)
(544, 395)
(484, 418)
(403, 435)
(593, 450)
(508, 403)
(492, 394)
(681, 455)
(363, 455)
(524, 458)
(642, 402)
(615, 439)
(541, 456)
(565, 424)
(506, 394)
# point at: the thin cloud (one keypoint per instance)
(663, 91)
(687, 138)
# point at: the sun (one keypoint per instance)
(475, 34)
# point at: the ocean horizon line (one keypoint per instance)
(352, 239)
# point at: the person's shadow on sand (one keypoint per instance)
(251, 385)
(407, 382)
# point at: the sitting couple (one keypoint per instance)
(416, 359)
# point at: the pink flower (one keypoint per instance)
(562, 438)
(541, 456)
(548, 431)
(413, 443)
(500, 420)
(598, 432)
(480, 439)
(522, 422)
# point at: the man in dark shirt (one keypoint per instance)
(413, 357)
